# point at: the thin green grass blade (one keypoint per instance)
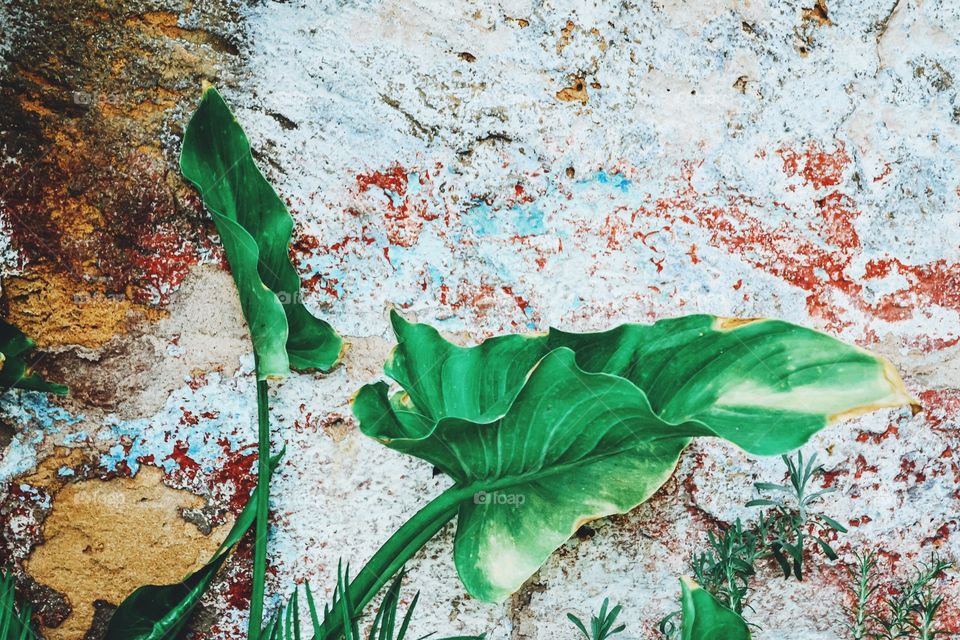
(314, 618)
(405, 624)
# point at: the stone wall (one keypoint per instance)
(487, 168)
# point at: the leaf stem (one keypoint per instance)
(263, 508)
(396, 551)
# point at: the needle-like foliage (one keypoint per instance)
(726, 568)
(790, 516)
(601, 625)
(862, 589)
(388, 624)
(911, 611)
(14, 619)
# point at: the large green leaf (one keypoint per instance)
(255, 229)
(160, 612)
(548, 432)
(14, 371)
(704, 618)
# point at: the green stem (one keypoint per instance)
(401, 546)
(263, 508)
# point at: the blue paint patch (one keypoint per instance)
(395, 198)
(36, 409)
(229, 423)
(114, 456)
(436, 278)
(528, 219)
(38, 496)
(413, 183)
(615, 180)
(66, 472)
(480, 219)
(520, 220)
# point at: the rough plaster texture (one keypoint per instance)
(488, 168)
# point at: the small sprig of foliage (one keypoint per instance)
(727, 567)
(863, 586)
(910, 611)
(791, 522)
(601, 625)
(782, 532)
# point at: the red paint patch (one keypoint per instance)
(393, 179)
(936, 283)
(877, 438)
(822, 264)
(405, 213)
(838, 215)
(941, 409)
(235, 477)
(179, 455)
(862, 467)
(818, 168)
(160, 264)
(942, 535)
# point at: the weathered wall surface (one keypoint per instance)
(487, 168)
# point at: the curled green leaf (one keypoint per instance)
(255, 229)
(15, 373)
(544, 433)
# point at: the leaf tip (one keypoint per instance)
(397, 321)
(897, 395)
(207, 88)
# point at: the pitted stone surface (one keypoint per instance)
(487, 168)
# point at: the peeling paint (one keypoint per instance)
(488, 170)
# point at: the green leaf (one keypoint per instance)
(765, 385)
(159, 612)
(833, 524)
(548, 432)
(15, 373)
(769, 486)
(827, 549)
(579, 624)
(255, 229)
(763, 502)
(781, 560)
(704, 618)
